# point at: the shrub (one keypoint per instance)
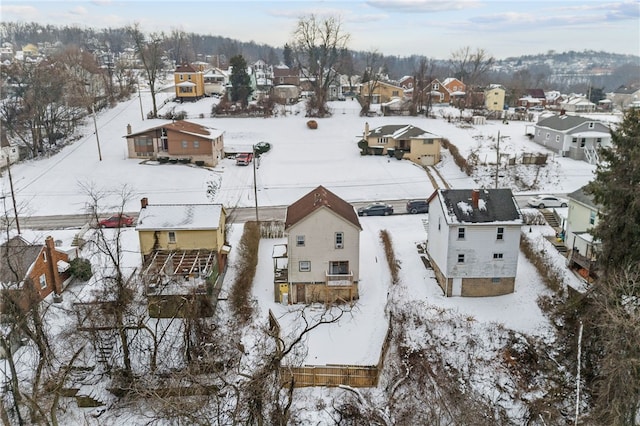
(394, 264)
(364, 147)
(398, 153)
(80, 269)
(246, 269)
(199, 163)
(545, 267)
(163, 160)
(185, 160)
(457, 157)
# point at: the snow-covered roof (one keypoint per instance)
(186, 84)
(179, 217)
(493, 206)
(398, 131)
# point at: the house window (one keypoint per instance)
(439, 222)
(498, 256)
(461, 233)
(428, 142)
(557, 138)
(44, 256)
(339, 268)
(539, 132)
(592, 125)
(500, 234)
(599, 140)
(196, 144)
(436, 86)
(189, 77)
(181, 77)
(172, 237)
(43, 281)
(574, 140)
(582, 142)
(304, 265)
(592, 218)
(547, 136)
(495, 280)
(300, 240)
(395, 93)
(383, 141)
(339, 240)
(185, 144)
(461, 258)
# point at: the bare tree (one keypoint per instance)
(318, 44)
(471, 66)
(612, 324)
(117, 288)
(370, 78)
(150, 51)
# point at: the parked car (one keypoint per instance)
(376, 209)
(417, 206)
(243, 159)
(116, 221)
(537, 108)
(520, 109)
(542, 201)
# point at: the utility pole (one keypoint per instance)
(497, 158)
(95, 125)
(13, 197)
(255, 187)
(140, 99)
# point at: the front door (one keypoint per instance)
(300, 293)
(457, 287)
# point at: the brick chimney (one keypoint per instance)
(366, 129)
(475, 197)
(50, 248)
(144, 202)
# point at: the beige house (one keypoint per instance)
(189, 82)
(583, 216)
(178, 141)
(494, 98)
(183, 253)
(322, 255)
(418, 145)
(381, 91)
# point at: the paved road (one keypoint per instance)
(237, 215)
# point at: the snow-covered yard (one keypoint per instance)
(300, 160)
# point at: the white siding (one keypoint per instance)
(478, 246)
(438, 235)
(319, 230)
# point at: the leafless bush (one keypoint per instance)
(246, 267)
(394, 264)
(541, 261)
(460, 161)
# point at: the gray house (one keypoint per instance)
(573, 136)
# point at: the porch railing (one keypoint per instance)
(339, 279)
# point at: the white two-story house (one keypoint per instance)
(582, 217)
(474, 241)
(323, 249)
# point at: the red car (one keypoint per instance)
(116, 221)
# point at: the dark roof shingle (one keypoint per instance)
(318, 198)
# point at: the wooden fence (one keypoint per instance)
(357, 376)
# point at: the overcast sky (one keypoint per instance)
(432, 28)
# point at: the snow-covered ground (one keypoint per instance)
(300, 160)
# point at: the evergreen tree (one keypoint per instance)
(240, 80)
(288, 56)
(616, 188)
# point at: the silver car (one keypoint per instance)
(543, 201)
